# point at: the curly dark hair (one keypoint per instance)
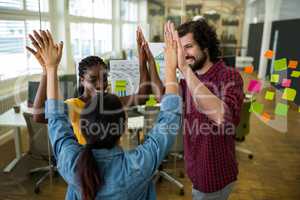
(205, 36)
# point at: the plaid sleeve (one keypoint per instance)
(232, 95)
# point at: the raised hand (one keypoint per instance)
(140, 43)
(170, 46)
(49, 52)
(170, 59)
(182, 65)
(145, 47)
(37, 53)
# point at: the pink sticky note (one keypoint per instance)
(286, 82)
(254, 86)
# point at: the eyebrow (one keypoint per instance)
(188, 44)
(91, 76)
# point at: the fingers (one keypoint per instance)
(168, 35)
(31, 50)
(142, 35)
(44, 37)
(60, 48)
(50, 38)
(34, 43)
(39, 39)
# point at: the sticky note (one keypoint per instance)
(256, 107)
(151, 101)
(269, 95)
(157, 67)
(266, 117)
(286, 82)
(289, 94)
(275, 78)
(295, 74)
(281, 109)
(254, 86)
(280, 64)
(293, 64)
(120, 87)
(299, 109)
(269, 54)
(248, 69)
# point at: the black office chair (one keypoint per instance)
(39, 147)
(150, 115)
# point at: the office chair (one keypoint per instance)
(150, 115)
(243, 128)
(39, 147)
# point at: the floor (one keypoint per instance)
(273, 173)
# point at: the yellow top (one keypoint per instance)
(75, 106)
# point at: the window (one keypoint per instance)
(14, 36)
(91, 27)
(128, 36)
(13, 54)
(129, 16)
(11, 4)
(88, 40)
(33, 5)
(30, 5)
(101, 9)
(129, 10)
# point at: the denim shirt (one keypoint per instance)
(127, 175)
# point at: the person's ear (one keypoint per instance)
(81, 79)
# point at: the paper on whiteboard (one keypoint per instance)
(125, 70)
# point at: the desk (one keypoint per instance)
(15, 120)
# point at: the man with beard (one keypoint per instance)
(213, 95)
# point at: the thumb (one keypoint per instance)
(60, 48)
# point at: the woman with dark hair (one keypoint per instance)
(92, 73)
(101, 169)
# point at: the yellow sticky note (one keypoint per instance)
(120, 87)
(280, 64)
(295, 74)
(289, 94)
(275, 78)
(151, 101)
(269, 95)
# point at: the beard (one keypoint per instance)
(199, 63)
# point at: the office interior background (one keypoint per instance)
(260, 38)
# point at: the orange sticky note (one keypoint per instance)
(248, 69)
(266, 117)
(269, 54)
(293, 64)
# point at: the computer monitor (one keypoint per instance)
(32, 90)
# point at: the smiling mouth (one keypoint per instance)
(190, 60)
